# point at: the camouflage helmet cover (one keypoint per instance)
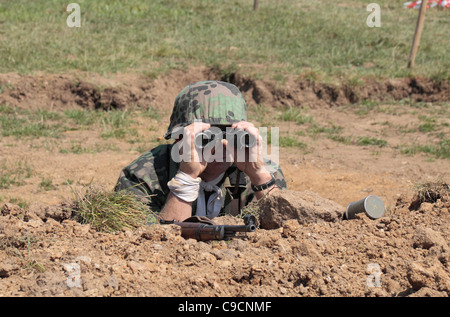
(213, 102)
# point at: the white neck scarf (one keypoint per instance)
(189, 189)
(215, 200)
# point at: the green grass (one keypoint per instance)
(433, 124)
(82, 118)
(438, 150)
(19, 202)
(365, 140)
(108, 211)
(333, 132)
(78, 147)
(296, 115)
(288, 141)
(429, 124)
(116, 123)
(26, 123)
(47, 184)
(14, 173)
(321, 41)
(315, 129)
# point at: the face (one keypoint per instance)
(217, 166)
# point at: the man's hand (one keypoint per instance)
(249, 160)
(196, 163)
(176, 208)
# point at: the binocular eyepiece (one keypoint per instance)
(238, 138)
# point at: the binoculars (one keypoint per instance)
(239, 138)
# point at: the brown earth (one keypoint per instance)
(60, 91)
(311, 251)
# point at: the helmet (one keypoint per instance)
(213, 102)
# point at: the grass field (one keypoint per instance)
(321, 40)
(79, 104)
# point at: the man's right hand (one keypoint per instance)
(196, 163)
(174, 207)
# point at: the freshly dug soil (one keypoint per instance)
(404, 253)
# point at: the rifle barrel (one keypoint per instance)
(243, 228)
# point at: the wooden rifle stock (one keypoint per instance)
(203, 229)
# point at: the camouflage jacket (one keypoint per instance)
(148, 175)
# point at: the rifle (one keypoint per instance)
(203, 229)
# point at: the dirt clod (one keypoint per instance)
(305, 207)
(426, 238)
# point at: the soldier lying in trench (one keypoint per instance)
(194, 177)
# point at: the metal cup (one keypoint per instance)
(372, 206)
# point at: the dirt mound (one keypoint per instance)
(405, 253)
(119, 91)
(63, 91)
(304, 207)
(299, 92)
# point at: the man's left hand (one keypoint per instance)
(249, 160)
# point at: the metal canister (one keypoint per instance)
(372, 206)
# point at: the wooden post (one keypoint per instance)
(255, 5)
(417, 34)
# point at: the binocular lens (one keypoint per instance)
(243, 139)
(203, 138)
(239, 138)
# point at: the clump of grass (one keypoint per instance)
(81, 117)
(367, 105)
(429, 124)
(296, 115)
(47, 184)
(109, 212)
(22, 123)
(431, 191)
(262, 114)
(253, 208)
(347, 140)
(116, 124)
(316, 129)
(287, 141)
(440, 150)
(19, 202)
(365, 140)
(14, 174)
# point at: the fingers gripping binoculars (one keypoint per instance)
(238, 138)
